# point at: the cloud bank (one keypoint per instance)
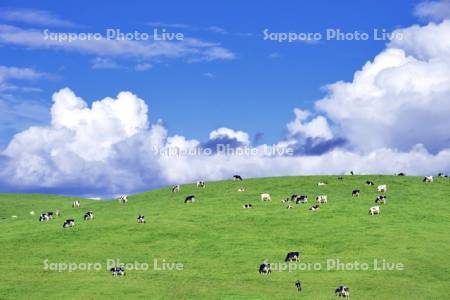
(392, 117)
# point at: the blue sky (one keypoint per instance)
(265, 78)
(95, 118)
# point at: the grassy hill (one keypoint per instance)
(221, 245)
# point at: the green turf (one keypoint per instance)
(221, 245)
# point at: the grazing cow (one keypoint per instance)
(237, 177)
(141, 219)
(352, 173)
(343, 291)
(247, 205)
(428, 179)
(340, 178)
(298, 285)
(370, 183)
(294, 197)
(356, 193)
(50, 214)
(44, 217)
(321, 183)
(265, 269)
(266, 197)
(381, 199)
(241, 190)
(289, 206)
(301, 199)
(375, 210)
(382, 188)
(118, 271)
(201, 184)
(292, 256)
(123, 199)
(76, 204)
(176, 188)
(401, 174)
(322, 199)
(69, 223)
(88, 216)
(314, 207)
(189, 199)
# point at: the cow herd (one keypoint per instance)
(264, 268)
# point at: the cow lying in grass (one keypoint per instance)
(189, 199)
(118, 271)
(301, 199)
(292, 256)
(314, 207)
(69, 223)
(247, 205)
(266, 197)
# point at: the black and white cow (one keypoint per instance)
(141, 219)
(44, 217)
(123, 199)
(201, 184)
(340, 178)
(69, 223)
(189, 199)
(266, 197)
(89, 215)
(370, 183)
(301, 199)
(176, 188)
(356, 193)
(242, 189)
(237, 177)
(292, 256)
(322, 199)
(76, 204)
(428, 179)
(298, 285)
(381, 199)
(247, 205)
(342, 291)
(352, 173)
(294, 197)
(401, 174)
(118, 271)
(265, 269)
(375, 210)
(315, 207)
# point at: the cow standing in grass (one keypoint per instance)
(342, 291)
(76, 204)
(88, 216)
(118, 271)
(382, 188)
(201, 184)
(301, 199)
(176, 188)
(265, 269)
(141, 219)
(123, 199)
(381, 199)
(237, 177)
(322, 199)
(356, 193)
(375, 210)
(298, 285)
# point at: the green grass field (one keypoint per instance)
(221, 245)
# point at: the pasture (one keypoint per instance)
(220, 245)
